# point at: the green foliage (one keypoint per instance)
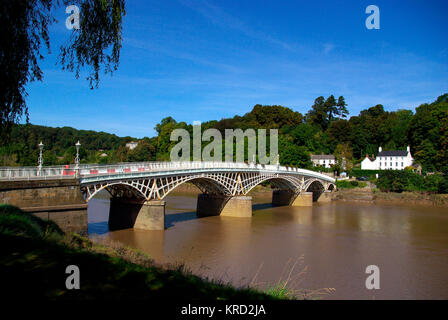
(344, 184)
(356, 172)
(293, 155)
(25, 26)
(404, 180)
(323, 112)
(59, 146)
(428, 134)
(17, 222)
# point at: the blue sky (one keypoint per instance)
(205, 60)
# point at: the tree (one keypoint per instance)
(339, 131)
(144, 151)
(343, 154)
(323, 112)
(428, 134)
(25, 25)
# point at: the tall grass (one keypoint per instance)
(288, 285)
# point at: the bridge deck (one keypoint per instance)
(93, 172)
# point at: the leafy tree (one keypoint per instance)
(343, 154)
(25, 29)
(428, 134)
(323, 112)
(293, 155)
(144, 151)
(339, 132)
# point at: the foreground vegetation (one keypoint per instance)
(35, 254)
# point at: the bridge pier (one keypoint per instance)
(304, 199)
(151, 216)
(325, 197)
(147, 215)
(212, 205)
(289, 198)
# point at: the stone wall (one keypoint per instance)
(59, 200)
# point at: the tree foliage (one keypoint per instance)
(25, 25)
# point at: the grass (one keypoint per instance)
(288, 286)
(34, 255)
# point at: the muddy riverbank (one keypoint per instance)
(374, 196)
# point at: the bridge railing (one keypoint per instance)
(61, 172)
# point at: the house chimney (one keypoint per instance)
(380, 149)
(408, 149)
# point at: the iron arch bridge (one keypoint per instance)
(155, 180)
(138, 189)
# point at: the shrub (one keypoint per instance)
(354, 183)
(443, 186)
(350, 184)
(15, 221)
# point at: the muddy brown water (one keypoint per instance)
(333, 244)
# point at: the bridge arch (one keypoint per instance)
(205, 184)
(283, 182)
(316, 187)
(123, 189)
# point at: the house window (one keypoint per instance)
(402, 164)
(396, 164)
(391, 164)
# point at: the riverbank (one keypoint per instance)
(34, 255)
(367, 194)
(374, 196)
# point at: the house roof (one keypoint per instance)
(393, 153)
(322, 157)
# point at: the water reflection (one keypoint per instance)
(338, 241)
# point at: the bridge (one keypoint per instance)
(138, 190)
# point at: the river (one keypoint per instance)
(326, 246)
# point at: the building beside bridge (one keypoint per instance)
(324, 160)
(388, 160)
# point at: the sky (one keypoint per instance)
(208, 60)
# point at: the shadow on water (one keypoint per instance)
(98, 228)
(261, 206)
(173, 218)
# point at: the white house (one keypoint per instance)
(131, 145)
(325, 160)
(394, 160)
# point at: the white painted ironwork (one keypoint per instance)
(77, 161)
(41, 159)
(155, 180)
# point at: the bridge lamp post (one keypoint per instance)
(77, 145)
(41, 159)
